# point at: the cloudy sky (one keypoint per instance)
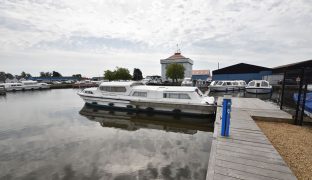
(88, 37)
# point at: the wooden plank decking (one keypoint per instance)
(247, 153)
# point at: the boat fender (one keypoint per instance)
(149, 109)
(209, 100)
(177, 111)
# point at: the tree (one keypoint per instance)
(137, 74)
(117, 74)
(109, 75)
(2, 76)
(77, 76)
(45, 74)
(23, 74)
(56, 74)
(175, 71)
(9, 75)
(122, 74)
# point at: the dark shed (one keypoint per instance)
(298, 65)
(241, 71)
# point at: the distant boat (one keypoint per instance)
(25, 85)
(187, 82)
(259, 87)
(308, 102)
(223, 86)
(2, 90)
(135, 96)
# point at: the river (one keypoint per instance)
(50, 134)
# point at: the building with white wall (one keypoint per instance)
(179, 59)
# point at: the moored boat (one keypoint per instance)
(223, 86)
(259, 87)
(2, 90)
(25, 85)
(135, 96)
(241, 84)
(187, 82)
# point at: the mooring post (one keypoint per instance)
(226, 116)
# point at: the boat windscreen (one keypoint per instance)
(220, 83)
(251, 83)
(264, 84)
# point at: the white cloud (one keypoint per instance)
(110, 32)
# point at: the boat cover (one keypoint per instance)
(308, 103)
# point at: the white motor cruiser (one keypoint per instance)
(136, 96)
(25, 85)
(223, 86)
(259, 87)
(241, 84)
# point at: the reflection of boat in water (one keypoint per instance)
(134, 121)
(308, 103)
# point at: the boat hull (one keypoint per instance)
(259, 90)
(151, 107)
(223, 88)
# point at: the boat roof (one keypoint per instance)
(259, 81)
(165, 88)
(119, 83)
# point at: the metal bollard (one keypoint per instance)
(226, 115)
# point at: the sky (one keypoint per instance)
(88, 37)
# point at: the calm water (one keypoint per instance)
(51, 135)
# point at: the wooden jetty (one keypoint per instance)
(246, 153)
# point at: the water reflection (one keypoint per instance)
(134, 121)
(43, 136)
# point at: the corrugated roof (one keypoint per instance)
(200, 72)
(241, 68)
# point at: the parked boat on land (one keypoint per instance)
(259, 87)
(25, 85)
(224, 86)
(135, 96)
(2, 90)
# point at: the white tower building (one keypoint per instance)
(179, 59)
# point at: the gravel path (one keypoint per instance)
(294, 143)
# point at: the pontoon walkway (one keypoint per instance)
(247, 153)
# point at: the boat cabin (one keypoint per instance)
(259, 84)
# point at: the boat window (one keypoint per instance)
(229, 83)
(257, 84)
(140, 94)
(252, 83)
(88, 92)
(113, 89)
(264, 84)
(220, 83)
(176, 96)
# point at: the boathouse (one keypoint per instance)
(178, 58)
(241, 71)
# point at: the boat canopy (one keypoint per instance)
(258, 83)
